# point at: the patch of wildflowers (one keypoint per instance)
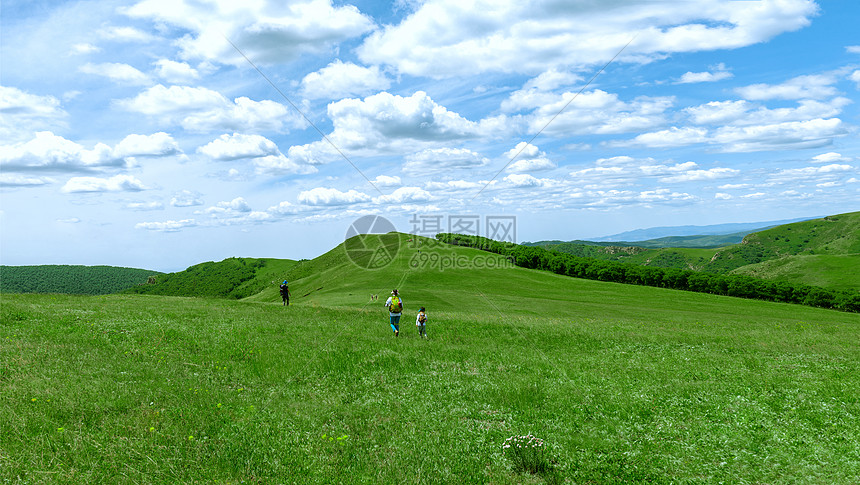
(526, 453)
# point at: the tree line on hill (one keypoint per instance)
(71, 279)
(718, 284)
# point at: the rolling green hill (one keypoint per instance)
(822, 252)
(437, 277)
(230, 278)
(830, 271)
(438, 274)
(74, 280)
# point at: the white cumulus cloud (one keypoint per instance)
(523, 180)
(812, 86)
(673, 136)
(16, 180)
(528, 159)
(779, 136)
(47, 151)
(387, 181)
(262, 152)
(595, 112)
(830, 157)
(717, 74)
(855, 76)
(458, 185)
(117, 72)
(384, 119)
(25, 113)
(698, 175)
(156, 145)
(175, 72)
(83, 48)
(144, 206)
(166, 226)
(186, 198)
(443, 159)
(339, 80)
(117, 183)
(484, 36)
(203, 110)
(404, 195)
(322, 196)
(267, 32)
(124, 34)
(238, 145)
(281, 165)
(232, 208)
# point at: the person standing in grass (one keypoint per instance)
(395, 310)
(421, 323)
(285, 293)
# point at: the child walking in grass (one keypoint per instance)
(421, 322)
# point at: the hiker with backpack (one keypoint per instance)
(395, 310)
(285, 293)
(421, 322)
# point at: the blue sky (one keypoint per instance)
(134, 134)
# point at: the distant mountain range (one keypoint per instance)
(715, 229)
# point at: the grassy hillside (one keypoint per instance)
(832, 271)
(695, 259)
(624, 384)
(822, 252)
(334, 279)
(230, 278)
(75, 280)
(835, 235)
(705, 241)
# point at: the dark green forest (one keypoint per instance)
(74, 280)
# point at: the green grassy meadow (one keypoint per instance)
(624, 384)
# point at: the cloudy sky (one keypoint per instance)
(163, 133)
